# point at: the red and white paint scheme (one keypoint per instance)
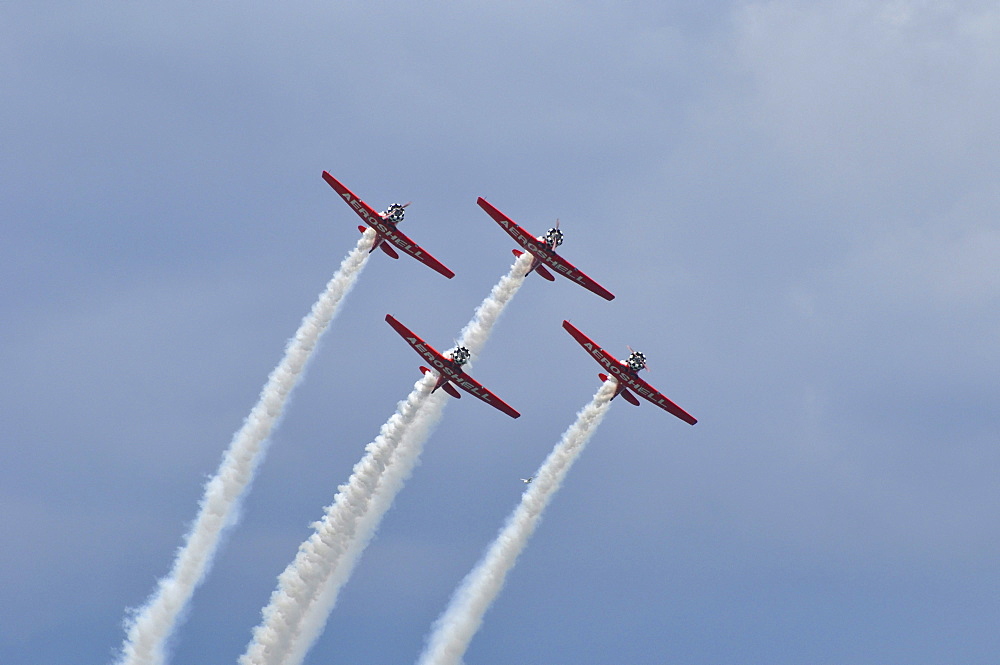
(543, 248)
(626, 373)
(449, 369)
(387, 236)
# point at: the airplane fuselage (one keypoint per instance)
(540, 251)
(386, 230)
(621, 372)
(626, 376)
(448, 370)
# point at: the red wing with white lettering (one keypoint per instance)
(626, 376)
(388, 236)
(662, 401)
(545, 255)
(449, 370)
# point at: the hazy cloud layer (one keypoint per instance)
(795, 203)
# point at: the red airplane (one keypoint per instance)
(450, 369)
(543, 249)
(626, 373)
(384, 224)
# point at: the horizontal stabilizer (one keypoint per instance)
(544, 273)
(629, 397)
(516, 252)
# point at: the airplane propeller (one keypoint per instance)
(636, 359)
(394, 213)
(553, 237)
(461, 355)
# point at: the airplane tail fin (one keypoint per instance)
(518, 253)
(604, 377)
(380, 242)
(621, 390)
(442, 383)
(536, 267)
(365, 228)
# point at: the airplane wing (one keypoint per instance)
(446, 367)
(551, 260)
(625, 377)
(388, 231)
(476, 389)
(643, 389)
(605, 359)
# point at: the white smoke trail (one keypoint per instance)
(152, 625)
(455, 628)
(308, 589)
(318, 557)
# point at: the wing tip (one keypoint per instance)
(509, 410)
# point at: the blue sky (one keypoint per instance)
(795, 203)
